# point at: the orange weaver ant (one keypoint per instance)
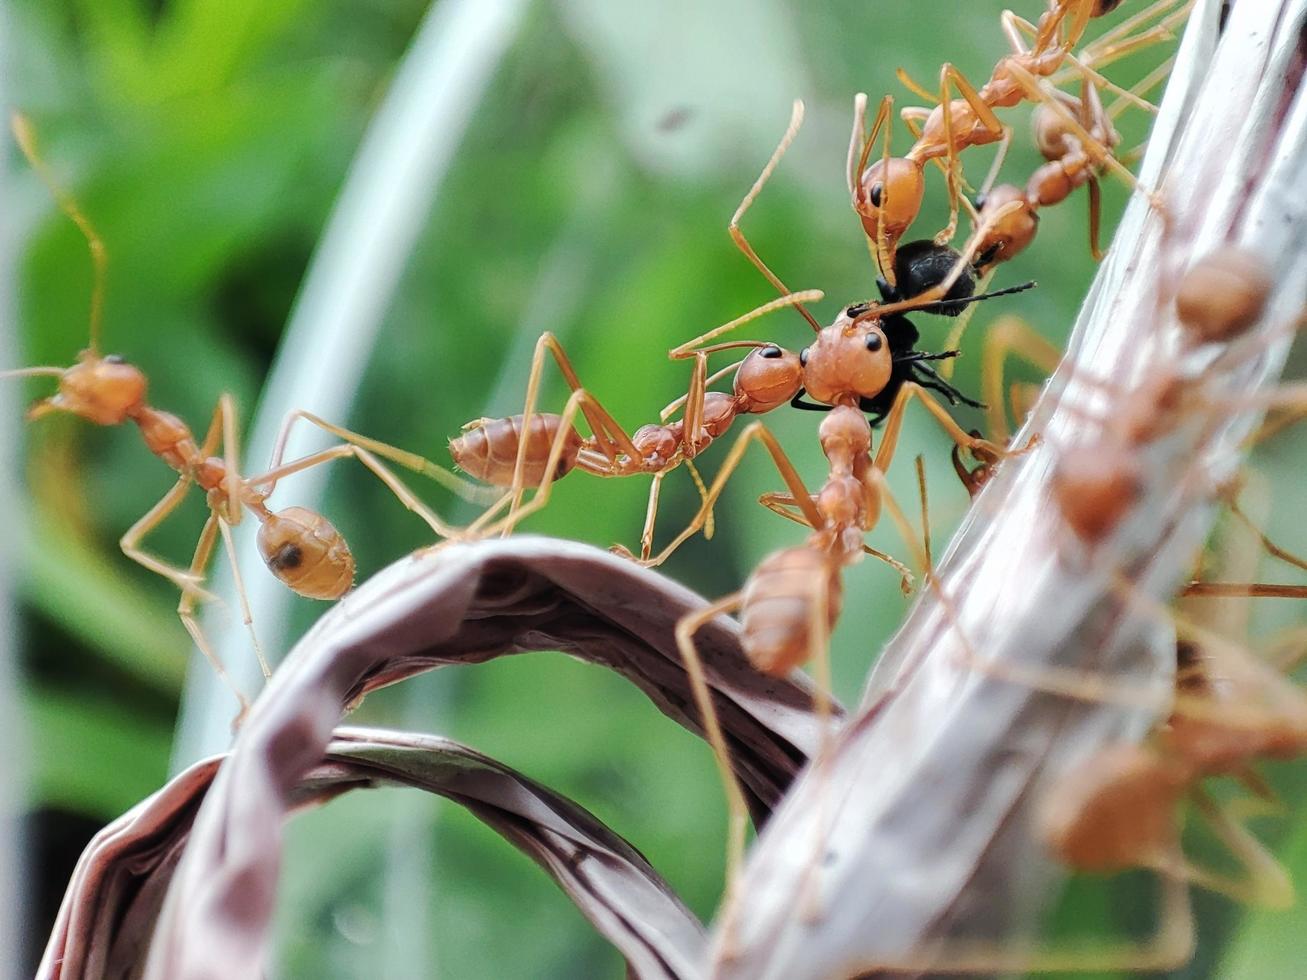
(538, 448)
(887, 194)
(299, 546)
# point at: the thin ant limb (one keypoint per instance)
(470, 492)
(1110, 46)
(984, 115)
(393, 483)
(894, 425)
(1102, 155)
(1254, 590)
(130, 542)
(925, 512)
(690, 347)
(742, 243)
(954, 339)
(247, 617)
(878, 244)
(650, 515)
(1149, 81)
(737, 808)
(26, 139)
(781, 504)
(186, 612)
(540, 498)
(755, 432)
(670, 409)
(914, 118)
(612, 440)
(1008, 336)
(915, 87)
(709, 525)
(1271, 548)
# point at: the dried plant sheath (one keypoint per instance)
(115, 894)
(925, 808)
(466, 604)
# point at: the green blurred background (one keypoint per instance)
(589, 196)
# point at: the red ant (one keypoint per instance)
(299, 546)
(887, 194)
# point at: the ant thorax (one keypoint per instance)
(849, 361)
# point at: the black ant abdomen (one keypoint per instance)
(922, 265)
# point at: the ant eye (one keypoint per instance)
(877, 191)
(114, 359)
(874, 342)
(803, 357)
(770, 351)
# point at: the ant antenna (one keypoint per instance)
(962, 303)
(25, 136)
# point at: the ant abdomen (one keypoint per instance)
(922, 265)
(488, 448)
(308, 554)
(777, 611)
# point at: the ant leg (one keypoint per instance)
(1264, 882)
(611, 439)
(1271, 548)
(382, 472)
(540, 498)
(914, 117)
(894, 426)
(411, 461)
(1149, 81)
(915, 87)
(984, 114)
(25, 137)
(689, 348)
(960, 323)
(186, 612)
(130, 542)
(1116, 43)
(710, 524)
(882, 253)
(756, 431)
(736, 806)
(242, 595)
(650, 515)
(1009, 336)
(781, 505)
(1100, 154)
(809, 899)
(737, 236)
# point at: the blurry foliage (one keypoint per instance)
(590, 197)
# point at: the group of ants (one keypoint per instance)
(1121, 809)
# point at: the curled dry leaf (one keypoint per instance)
(926, 806)
(466, 603)
(117, 889)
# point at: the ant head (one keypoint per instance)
(850, 360)
(103, 390)
(768, 378)
(890, 192)
(1009, 235)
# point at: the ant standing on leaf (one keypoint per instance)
(299, 546)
